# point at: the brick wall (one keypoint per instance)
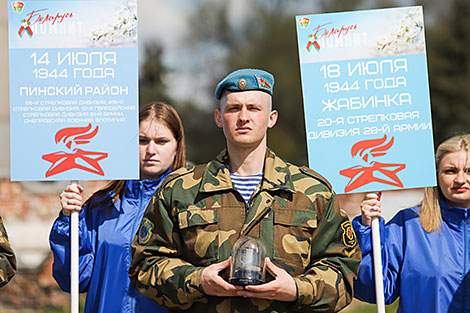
(33, 288)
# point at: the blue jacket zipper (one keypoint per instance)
(465, 259)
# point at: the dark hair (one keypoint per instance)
(163, 113)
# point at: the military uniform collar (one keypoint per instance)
(276, 175)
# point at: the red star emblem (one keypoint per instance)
(83, 160)
(384, 173)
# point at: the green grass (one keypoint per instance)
(362, 307)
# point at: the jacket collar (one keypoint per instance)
(453, 215)
(276, 174)
(147, 187)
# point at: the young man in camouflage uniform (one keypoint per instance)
(181, 253)
(7, 257)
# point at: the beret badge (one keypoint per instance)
(242, 83)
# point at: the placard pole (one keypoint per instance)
(74, 303)
(379, 283)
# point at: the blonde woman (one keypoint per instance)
(425, 249)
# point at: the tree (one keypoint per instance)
(266, 39)
(152, 74)
(449, 70)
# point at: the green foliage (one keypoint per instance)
(361, 307)
(203, 139)
(152, 73)
(265, 40)
(271, 44)
(449, 70)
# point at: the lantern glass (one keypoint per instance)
(248, 262)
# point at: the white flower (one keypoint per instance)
(121, 30)
(405, 37)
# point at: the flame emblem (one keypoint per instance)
(361, 175)
(76, 158)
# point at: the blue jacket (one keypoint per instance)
(428, 271)
(105, 251)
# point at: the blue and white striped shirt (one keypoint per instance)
(245, 185)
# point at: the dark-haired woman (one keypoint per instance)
(110, 218)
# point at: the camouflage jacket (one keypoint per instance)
(196, 216)
(7, 257)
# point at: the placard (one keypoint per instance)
(73, 90)
(366, 98)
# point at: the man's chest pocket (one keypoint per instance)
(293, 232)
(199, 233)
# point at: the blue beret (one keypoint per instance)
(246, 79)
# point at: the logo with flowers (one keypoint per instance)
(303, 22)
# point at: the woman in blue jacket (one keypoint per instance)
(109, 219)
(425, 249)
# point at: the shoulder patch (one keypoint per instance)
(145, 231)
(349, 237)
